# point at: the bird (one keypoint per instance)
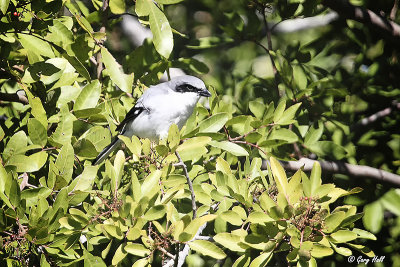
(159, 107)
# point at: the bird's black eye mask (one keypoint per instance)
(185, 87)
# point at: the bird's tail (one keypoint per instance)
(107, 150)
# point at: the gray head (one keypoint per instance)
(187, 83)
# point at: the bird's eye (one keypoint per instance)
(183, 88)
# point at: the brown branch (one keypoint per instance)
(100, 66)
(185, 171)
(348, 11)
(335, 167)
(19, 97)
(393, 12)
(376, 116)
(163, 250)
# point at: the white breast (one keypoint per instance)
(162, 110)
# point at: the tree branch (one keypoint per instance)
(100, 66)
(335, 167)
(18, 96)
(347, 10)
(376, 116)
(185, 251)
(300, 24)
(393, 12)
(185, 171)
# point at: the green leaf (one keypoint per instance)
(117, 6)
(192, 64)
(65, 162)
(137, 249)
(214, 123)
(314, 133)
(320, 251)
(162, 150)
(343, 251)
(117, 75)
(363, 249)
(29, 164)
(261, 260)
(279, 176)
(288, 116)
(142, 262)
(173, 136)
(257, 108)
(16, 145)
(91, 260)
(390, 201)
(60, 34)
(315, 178)
(343, 236)
(63, 133)
(193, 148)
(231, 217)
(283, 134)
(169, 2)
(15, 193)
(162, 33)
(259, 217)
(113, 231)
(364, 234)
(208, 249)
(86, 178)
(78, 65)
(242, 261)
(279, 111)
(36, 45)
(230, 147)
(333, 220)
(119, 255)
(324, 148)
(89, 96)
(230, 241)
(159, 26)
(373, 216)
(4, 6)
(37, 132)
(154, 213)
(151, 185)
(37, 108)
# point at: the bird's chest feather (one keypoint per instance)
(162, 111)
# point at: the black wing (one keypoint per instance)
(131, 115)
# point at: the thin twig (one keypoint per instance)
(166, 252)
(185, 171)
(336, 167)
(18, 97)
(366, 16)
(376, 116)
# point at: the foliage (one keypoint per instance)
(57, 209)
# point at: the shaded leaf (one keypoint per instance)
(207, 248)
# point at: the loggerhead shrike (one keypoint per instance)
(157, 109)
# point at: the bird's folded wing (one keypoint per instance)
(130, 116)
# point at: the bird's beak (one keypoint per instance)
(205, 93)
